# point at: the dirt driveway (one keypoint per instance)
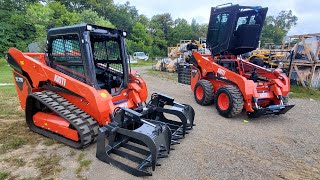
(271, 147)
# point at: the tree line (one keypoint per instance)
(26, 21)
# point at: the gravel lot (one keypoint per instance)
(270, 147)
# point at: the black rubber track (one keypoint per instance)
(208, 92)
(236, 104)
(86, 126)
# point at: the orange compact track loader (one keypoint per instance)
(234, 84)
(82, 82)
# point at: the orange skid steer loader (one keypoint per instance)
(82, 82)
(234, 84)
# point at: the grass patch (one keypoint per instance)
(72, 153)
(163, 75)
(5, 72)
(3, 175)
(305, 93)
(83, 163)
(17, 162)
(50, 142)
(48, 165)
(9, 103)
(14, 135)
(12, 143)
(142, 63)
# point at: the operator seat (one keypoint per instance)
(229, 64)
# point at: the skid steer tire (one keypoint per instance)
(229, 101)
(203, 92)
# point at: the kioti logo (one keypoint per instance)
(221, 71)
(60, 80)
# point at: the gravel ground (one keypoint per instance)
(270, 147)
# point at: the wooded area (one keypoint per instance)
(26, 21)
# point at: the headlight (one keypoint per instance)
(89, 28)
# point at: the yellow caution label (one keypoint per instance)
(45, 124)
(22, 62)
(104, 95)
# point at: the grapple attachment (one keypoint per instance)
(182, 115)
(133, 142)
(138, 138)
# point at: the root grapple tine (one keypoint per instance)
(144, 164)
(156, 109)
(154, 136)
(145, 131)
(136, 149)
(174, 142)
(162, 155)
(176, 137)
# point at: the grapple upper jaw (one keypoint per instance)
(156, 108)
(149, 139)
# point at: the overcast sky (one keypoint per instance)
(307, 11)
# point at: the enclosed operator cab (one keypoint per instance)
(92, 54)
(235, 29)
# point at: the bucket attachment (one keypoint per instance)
(160, 104)
(133, 140)
(273, 109)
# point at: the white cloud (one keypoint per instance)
(307, 11)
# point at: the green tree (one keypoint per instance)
(163, 22)
(123, 16)
(198, 30)
(159, 45)
(143, 20)
(181, 31)
(46, 16)
(140, 39)
(276, 28)
(14, 32)
(15, 5)
(203, 29)
(92, 17)
(81, 5)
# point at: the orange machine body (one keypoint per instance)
(277, 85)
(97, 103)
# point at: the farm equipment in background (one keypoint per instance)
(180, 54)
(232, 83)
(83, 82)
(267, 58)
(167, 65)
